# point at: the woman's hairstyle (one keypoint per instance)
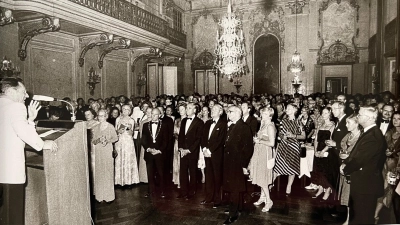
(355, 119)
(268, 110)
(112, 109)
(331, 117)
(91, 111)
(104, 111)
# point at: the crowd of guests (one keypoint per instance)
(233, 138)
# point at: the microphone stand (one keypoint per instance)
(73, 118)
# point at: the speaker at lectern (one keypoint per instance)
(57, 190)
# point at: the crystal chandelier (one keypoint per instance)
(296, 65)
(230, 50)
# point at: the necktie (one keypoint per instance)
(385, 121)
(189, 118)
(154, 123)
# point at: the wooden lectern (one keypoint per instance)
(57, 190)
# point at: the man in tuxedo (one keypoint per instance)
(364, 165)
(212, 145)
(384, 122)
(237, 154)
(189, 138)
(249, 119)
(169, 123)
(340, 130)
(15, 131)
(154, 141)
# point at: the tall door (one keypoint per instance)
(336, 85)
(338, 77)
(170, 77)
(206, 82)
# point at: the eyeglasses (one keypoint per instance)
(388, 111)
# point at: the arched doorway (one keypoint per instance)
(266, 65)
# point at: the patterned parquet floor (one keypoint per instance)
(130, 207)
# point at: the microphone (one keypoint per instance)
(43, 98)
(51, 99)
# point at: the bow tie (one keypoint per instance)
(214, 121)
(154, 123)
(385, 121)
(189, 118)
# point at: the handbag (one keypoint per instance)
(271, 162)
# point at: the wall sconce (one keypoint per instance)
(93, 80)
(238, 84)
(296, 83)
(6, 16)
(8, 69)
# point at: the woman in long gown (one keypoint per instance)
(392, 161)
(177, 158)
(103, 136)
(90, 122)
(323, 172)
(201, 164)
(126, 169)
(142, 163)
(287, 160)
(263, 151)
(347, 145)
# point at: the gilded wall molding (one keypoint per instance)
(47, 24)
(272, 22)
(98, 41)
(296, 7)
(122, 44)
(337, 39)
(6, 16)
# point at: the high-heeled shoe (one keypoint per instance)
(268, 206)
(260, 201)
(328, 191)
(320, 190)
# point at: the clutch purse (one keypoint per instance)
(271, 162)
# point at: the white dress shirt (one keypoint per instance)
(212, 127)
(188, 122)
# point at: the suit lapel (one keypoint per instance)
(215, 127)
(360, 139)
(191, 125)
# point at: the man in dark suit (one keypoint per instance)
(169, 123)
(340, 130)
(237, 154)
(249, 119)
(384, 121)
(212, 145)
(154, 141)
(189, 139)
(365, 164)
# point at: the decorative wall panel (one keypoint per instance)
(115, 77)
(52, 72)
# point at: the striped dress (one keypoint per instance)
(287, 160)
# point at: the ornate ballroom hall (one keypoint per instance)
(102, 48)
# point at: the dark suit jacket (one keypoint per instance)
(170, 125)
(191, 140)
(338, 134)
(237, 154)
(379, 121)
(217, 139)
(147, 139)
(365, 163)
(253, 123)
